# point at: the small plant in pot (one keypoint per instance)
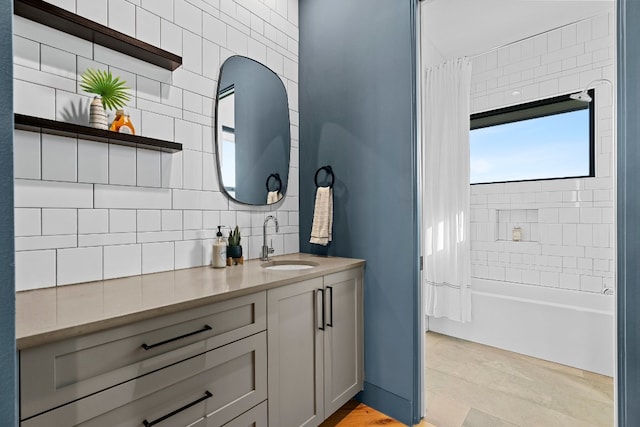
(234, 250)
(111, 94)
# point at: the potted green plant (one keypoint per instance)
(234, 250)
(111, 92)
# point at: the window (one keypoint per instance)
(548, 139)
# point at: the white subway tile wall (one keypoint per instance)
(90, 211)
(568, 237)
(34, 269)
(509, 219)
(122, 260)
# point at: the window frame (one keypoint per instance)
(515, 113)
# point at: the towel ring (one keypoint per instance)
(329, 172)
(275, 176)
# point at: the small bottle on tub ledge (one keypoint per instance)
(516, 234)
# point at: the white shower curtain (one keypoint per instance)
(445, 123)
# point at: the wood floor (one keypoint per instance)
(472, 385)
(355, 414)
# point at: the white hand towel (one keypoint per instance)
(321, 233)
(273, 197)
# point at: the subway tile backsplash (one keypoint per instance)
(574, 248)
(59, 158)
(50, 194)
(35, 269)
(59, 221)
(26, 155)
(93, 162)
(28, 222)
(157, 257)
(122, 260)
(90, 211)
(79, 265)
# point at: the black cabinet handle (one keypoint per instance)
(330, 322)
(204, 329)
(207, 394)
(322, 310)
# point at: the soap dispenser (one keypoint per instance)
(219, 252)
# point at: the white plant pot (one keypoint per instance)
(97, 115)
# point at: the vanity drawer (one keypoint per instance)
(54, 374)
(211, 389)
(256, 417)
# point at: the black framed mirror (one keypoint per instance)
(253, 137)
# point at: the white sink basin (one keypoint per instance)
(291, 265)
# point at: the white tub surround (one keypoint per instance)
(567, 224)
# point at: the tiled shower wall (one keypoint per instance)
(570, 243)
(90, 211)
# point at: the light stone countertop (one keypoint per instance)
(53, 314)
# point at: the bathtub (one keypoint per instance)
(568, 327)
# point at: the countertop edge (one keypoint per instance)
(30, 340)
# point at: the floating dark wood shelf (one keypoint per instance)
(63, 20)
(53, 127)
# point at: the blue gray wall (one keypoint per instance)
(628, 213)
(357, 114)
(8, 397)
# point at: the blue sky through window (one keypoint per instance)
(555, 146)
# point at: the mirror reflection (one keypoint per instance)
(252, 132)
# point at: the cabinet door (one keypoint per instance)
(343, 339)
(294, 319)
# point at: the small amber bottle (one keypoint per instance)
(117, 122)
(122, 123)
(126, 123)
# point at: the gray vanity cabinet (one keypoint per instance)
(206, 366)
(287, 356)
(315, 344)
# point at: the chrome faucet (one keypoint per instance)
(266, 250)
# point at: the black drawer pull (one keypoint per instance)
(207, 394)
(204, 329)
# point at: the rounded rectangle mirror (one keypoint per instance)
(253, 139)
